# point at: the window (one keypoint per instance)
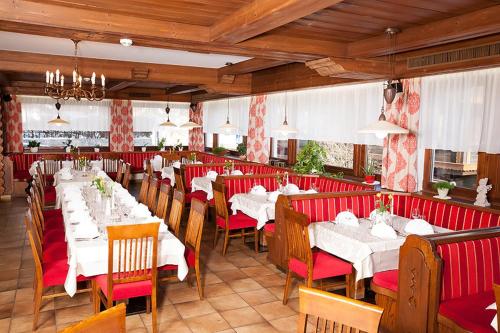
(88, 122)
(147, 119)
(460, 167)
(280, 149)
(230, 141)
(301, 144)
(209, 140)
(374, 156)
(339, 154)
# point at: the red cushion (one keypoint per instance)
(55, 252)
(22, 175)
(324, 265)
(49, 179)
(189, 255)
(112, 174)
(50, 197)
(52, 213)
(157, 174)
(55, 222)
(54, 273)
(270, 227)
(164, 181)
(200, 195)
(469, 312)
(136, 169)
(387, 279)
(238, 221)
(125, 290)
(53, 236)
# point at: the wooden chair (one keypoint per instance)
(335, 313)
(193, 243)
(181, 186)
(51, 164)
(175, 217)
(179, 180)
(228, 223)
(143, 192)
(163, 201)
(151, 198)
(305, 264)
(136, 245)
(149, 167)
(126, 176)
(119, 171)
(111, 320)
(110, 164)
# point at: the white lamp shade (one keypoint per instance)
(381, 128)
(190, 125)
(228, 128)
(168, 123)
(285, 129)
(58, 121)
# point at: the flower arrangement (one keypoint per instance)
(161, 144)
(219, 151)
(369, 172)
(100, 184)
(242, 150)
(279, 179)
(82, 161)
(192, 157)
(228, 165)
(383, 207)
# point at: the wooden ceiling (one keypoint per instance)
(292, 43)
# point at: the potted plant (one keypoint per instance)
(161, 144)
(97, 149)
(178, 146)
(242, 151)
(33, 145)
(443, 187)
(311, 159)
(143, 149)
(68, 146)
(383, 210)
(369, 172)
(220, 151)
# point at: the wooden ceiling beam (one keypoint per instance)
(182, 90)
(479, 23)
(261, 16)
(358, 69)
(121, 85)
(251, 65)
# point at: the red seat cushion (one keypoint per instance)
(164, 181)
(469, 312)
(238, 221)
(52, 213)
(55, 252)
(54, 273)
(324, 265)
(189, 255)
(23, 175)
(125, 290)
(112, 174)
(136, 169)
(50, 197)
(54, 236)
(56, 222)
(270, 227)
(200, 195)
(49, 179)
(157, 174)
(387, 279)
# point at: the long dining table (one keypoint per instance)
(88, 256)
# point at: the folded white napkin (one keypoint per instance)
(86, 230)
(311, 191)
(258, 190)
(236, 173)
(79, 217)
(212, 175)
(291, 189)
(96, 165)
(140, 211)
(102, 174)
(156, 162)
(347, 218)
(273, 196)
(176, 164)
(419, 227)
(76, 204)
(494, 323)
(382, 230)
(198, 162)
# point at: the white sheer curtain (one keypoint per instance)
(461, 111)
(327, 114)
(82, 115)
(215, 112)
(149, 115)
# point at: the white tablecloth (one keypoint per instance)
(66, 164)
(90, 257)
(168, 172)
(79, 179)
(203, 184)
(255, 206)
(367, 253)
(494, 322)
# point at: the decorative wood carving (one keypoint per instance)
(140, 73)
(361, 69)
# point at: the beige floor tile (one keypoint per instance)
(183, 295)
(137, 330)
(74, 313)
(26, 308)
(270, 280)
(24, 295)
(134, 321)
(219, 289)
(278, 291)
(176, 326)
(244, 285)
(227, 331)
(25, 323)
(274, 310)
(66, 302)
(286, 324)
(260, 328)
(7, 296)
(4, 325)
(227, 302)
(193, 309)
(207, 324)
(6, 310)
(220, 266)
(166, 313)
(259, 296)
(8, 285)
(210, 278)
(257, 271)
(9, 274)
(242, 317)
(230, 275)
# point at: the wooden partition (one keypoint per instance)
(421, 279)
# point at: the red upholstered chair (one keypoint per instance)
(136, 279)
(163, 202)
(143, 192)
(181, 186)
(127, 175)
(385, 286)
(111, 162)
(231, 225)
(193, 243)
(151, 197)
(305, 264)
(119, 171)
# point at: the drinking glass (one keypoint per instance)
(415, 213)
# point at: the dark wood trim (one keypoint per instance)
(292, 151)
(215, 140)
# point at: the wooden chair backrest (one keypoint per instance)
(119, 171)
(496, 289)
(30, 226)
(336, 313)
(195, 225)
(40, 175)
(37, 254)
(179, 180)
(110, 320)
(219, 192)
(126, 176)
(143, 192)
(36, 215)
(297, 235)
(175, 217)
(149, 167)
(52, 164)
(37, 185)
(169, 158)
(163, 201)
(153, 189)
(137, 246)
(110, 162)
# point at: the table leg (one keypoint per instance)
(358, 288)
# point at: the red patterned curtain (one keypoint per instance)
(12, 117)
(121, 136)
(257, 144)
(196, 138)
(399, 164)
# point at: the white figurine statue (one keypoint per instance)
(482, 190)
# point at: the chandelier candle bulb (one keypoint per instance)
(80, 80)
(57, 75)
(62, 80)
(102, 80)
(51, 78)
(47, 77)
(74, 76)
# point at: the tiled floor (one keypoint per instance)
(243, 291)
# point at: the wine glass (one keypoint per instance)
(415, 213)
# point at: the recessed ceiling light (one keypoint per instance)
(126, 42)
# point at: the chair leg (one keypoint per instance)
(37, 302)
(348, 285)
(148, 304)
(287, 287)
(153, 304)
(216, 236)
(96, 300)
(256, 236)
(226, 242)
(198, 278)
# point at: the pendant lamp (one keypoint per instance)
(286, 129)
(228, 128)
(58, 121)
(168, 123)
(191, 124)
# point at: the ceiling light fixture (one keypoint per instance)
(168, 123)
(54, 84)
(228, 128)
(58, 121)
(286, 129)
(126, 42)
(191, 124)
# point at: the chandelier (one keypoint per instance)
(54, 84)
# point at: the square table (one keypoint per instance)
(203, 184)
(256, 206)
